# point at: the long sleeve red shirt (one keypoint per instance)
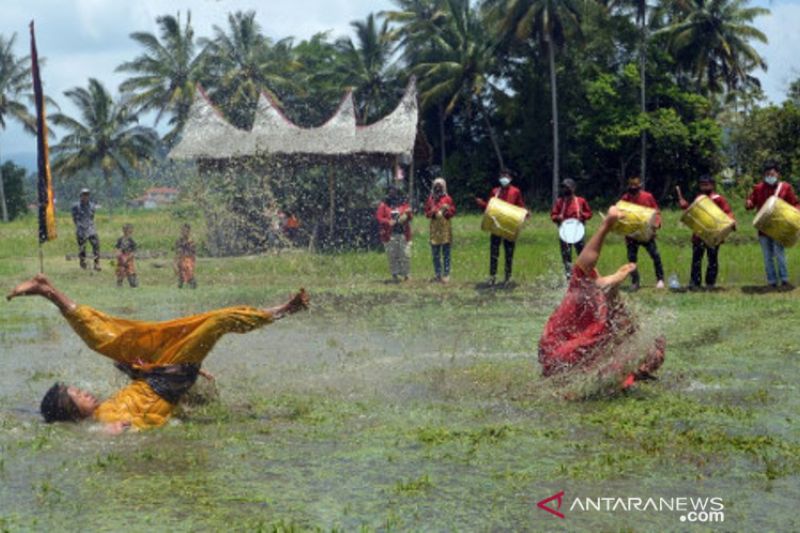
(572, 207)
(644, 199)
(433, 204)
(508, 194)
(384, 217)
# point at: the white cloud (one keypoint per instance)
(783, 62)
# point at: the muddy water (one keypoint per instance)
(395, 417)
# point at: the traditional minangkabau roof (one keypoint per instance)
(207, 135)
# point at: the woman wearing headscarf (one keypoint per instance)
(440, 209)
(394, 221)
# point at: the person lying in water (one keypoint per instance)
(162, 358)
(590, 327)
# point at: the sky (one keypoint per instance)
(89, 38)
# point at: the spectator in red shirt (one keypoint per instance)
(569, 205)
(440, 208)
(771, 249)
(508, 193)
(707, 187)
(394, 221)
(636, 195)
(589, 328)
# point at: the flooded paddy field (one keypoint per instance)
(404, 407)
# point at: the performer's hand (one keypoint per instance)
(748, 204)
(208, 375)
(115, 428)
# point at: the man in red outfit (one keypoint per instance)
(590, 326)
(770, 248)
(394, 229)
(636, 195)
(569, 206)
(699, 248)
(508, 193)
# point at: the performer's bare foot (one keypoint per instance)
(298, 302)
(37, 285)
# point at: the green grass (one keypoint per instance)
(402, 407)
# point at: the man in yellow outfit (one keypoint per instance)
(162, 358)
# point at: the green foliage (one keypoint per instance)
(14, 185)
(769, 133)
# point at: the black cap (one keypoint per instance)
(770, 164)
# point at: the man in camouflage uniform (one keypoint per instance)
(83, 217)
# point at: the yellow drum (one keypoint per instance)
(503, 219)
(708, 221)
(637, 221)
(779, 220)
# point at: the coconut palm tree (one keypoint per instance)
(710, 39)
(639, 10)
(417, 22)
(15, 84)
(241, 63)
(459, 72)
(106, 137)
(166, 74)
(366, 65)
(548, 22)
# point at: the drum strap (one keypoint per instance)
(778, 189)
(564, 207)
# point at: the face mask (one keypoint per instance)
(566, 192)
(633, 190)
(770, 180)
(504, 181)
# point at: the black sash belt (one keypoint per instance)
(169, 381)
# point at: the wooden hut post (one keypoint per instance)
(331, 203)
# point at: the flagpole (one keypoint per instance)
(41, 258)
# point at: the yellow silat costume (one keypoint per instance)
(144, 349)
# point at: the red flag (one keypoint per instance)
(47, 211)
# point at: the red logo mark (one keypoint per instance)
(559, 497)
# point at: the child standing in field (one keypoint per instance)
(440, 209)
(126, 257)
(185, 251)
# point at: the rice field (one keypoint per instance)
(414, 406)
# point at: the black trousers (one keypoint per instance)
(566, 254)
(652, 249)
(494, 254)
(698, 249)
(95, 242)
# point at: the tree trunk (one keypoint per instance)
(3, 206)
(492, 137)
(442, 119)
(554, 100)
(642, 73)
(110, 190)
